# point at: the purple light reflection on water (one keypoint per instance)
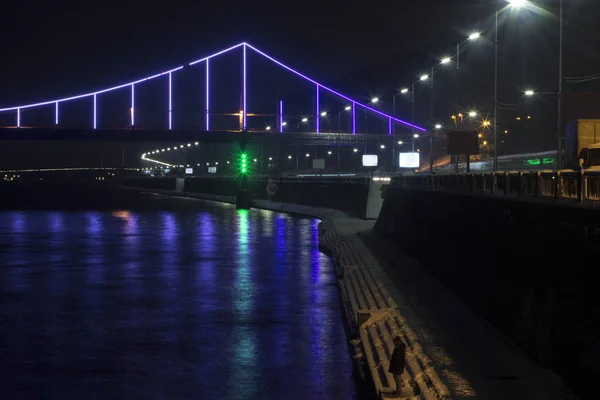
(206, 245)
(258, 330)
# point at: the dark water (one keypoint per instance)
(186, 300)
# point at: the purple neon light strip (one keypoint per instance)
(132, 105)
(353, 118)
(389, 126)
(81, 96)
(245, 90)
(217, 53)
(280, 116)
(318, 114)
(333, 91)
(170, 103)
(56, 114)
(18, 117)
(95, 125)
(207, 96)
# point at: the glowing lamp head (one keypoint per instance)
(445, 60)
(416, 135)
(529, 93)
(404, 90)
(438, 126)
(424, 77)
(355, 150)
(472, 114)
(268, 128)
(400, 142)
(283, 123)
(474, 36)
(324, 113)
(304, 119)
(517, 3)
(347, 108)
(374, 99)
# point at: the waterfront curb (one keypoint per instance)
(375, 319)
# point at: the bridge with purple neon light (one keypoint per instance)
(280, 119)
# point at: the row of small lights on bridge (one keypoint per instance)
(145, 155)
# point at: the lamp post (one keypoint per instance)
(512, 4)
(560, 85)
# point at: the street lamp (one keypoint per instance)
(517, 3)
(472, 114)
(374, 100)
(445, 60)
(513, 4)
(438, 126)
(400, 142)
(474, 36)
(404, 91)
(424, 77)
(268, 128)
(382, 146)
(304, 119)
(324, 113)
(347, 108)
(529, 93)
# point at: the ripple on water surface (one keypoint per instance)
(209, 303)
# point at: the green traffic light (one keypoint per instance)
(243, 164)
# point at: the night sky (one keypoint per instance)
(54, 49)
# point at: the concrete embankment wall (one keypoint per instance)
(359, 197)
(527, 267)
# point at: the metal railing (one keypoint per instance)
(567, 184)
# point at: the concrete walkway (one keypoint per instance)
(451, 352)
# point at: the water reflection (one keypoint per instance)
(169, 305)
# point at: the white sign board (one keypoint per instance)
(189, 170)
(369, 160)
(318, 163)
(410, 160)
(212, 170)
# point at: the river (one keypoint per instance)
(168, 298)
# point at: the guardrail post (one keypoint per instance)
(580, 186)
(521, 184)
(557, 186)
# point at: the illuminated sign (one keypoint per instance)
(318, 163)
(369, 160)
(189, 170)
(534, 161)
(410, 160)
(548, 160)
(212, 170)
